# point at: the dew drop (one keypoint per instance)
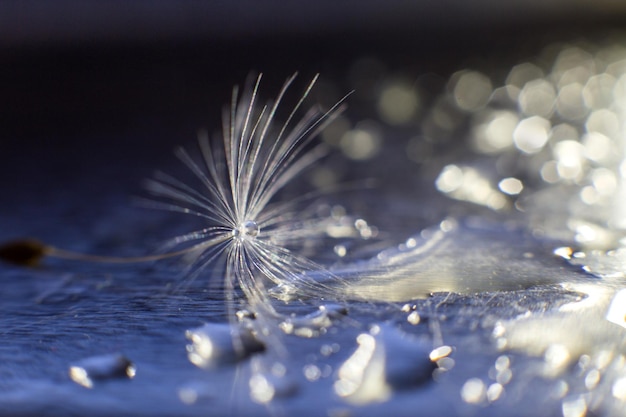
(413, 318)
(216, 344)
(249, 229)
(494, 392)
(473, 391)
(102, 367)
(312, 372)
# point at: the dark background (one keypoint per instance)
(87, 87)
(95, 95)
(73, 68)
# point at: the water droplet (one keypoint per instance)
(504, 376)
(531, 134)
(619, 389)
(314, 324)
(592, 379)
(471, 90)
(398, 103)
(617, 310)
(261, 389)
(312, 372)
(340, 250)
(267, 385)
(215, 344)
(511, 186)
(249, 229)
(327, 350)
(537, 98)
(363, 142)
(502, 363)
(385, 359)
(473, 391)
(494, 392)
(413, 318)
(440, 352)
(560, 389)
(574, 407)
(556, 357)
(102, 367)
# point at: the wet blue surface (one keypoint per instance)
(486, 292)
(59, 313)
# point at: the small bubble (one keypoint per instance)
(504, 376)
(338, 212)
(261, 389)
(520, 75)
(570, 103)
(446, 225)
(398, 103)
(249, 229)
(619, 389)
(556, 358)
(569, 155)
(502, 363)
(473, 391)
(471, 90)
(592, 379)
(604, 180)
(597, 147)
(445, 364)
(574, 407)
(440, 352)
(363, 142)
(572, 62)
(450, 178)
(603, 121)
(188, 395)
(589, 195)
(511, 186)
(560, 389)
(598, 91)
(603, 358)
(564, 252)
(549, 172)
(326, 350)
(413, 318)
(312, 372)
(494, 392)
(537, 98)
(340, 250)
(495, 133)
(501, 343)
(279, 369)
(531, 134)
(499, 330)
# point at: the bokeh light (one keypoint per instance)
(398, 103)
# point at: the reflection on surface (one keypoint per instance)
(462, 258)
(385, 360)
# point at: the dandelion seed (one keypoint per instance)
(239, 179)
